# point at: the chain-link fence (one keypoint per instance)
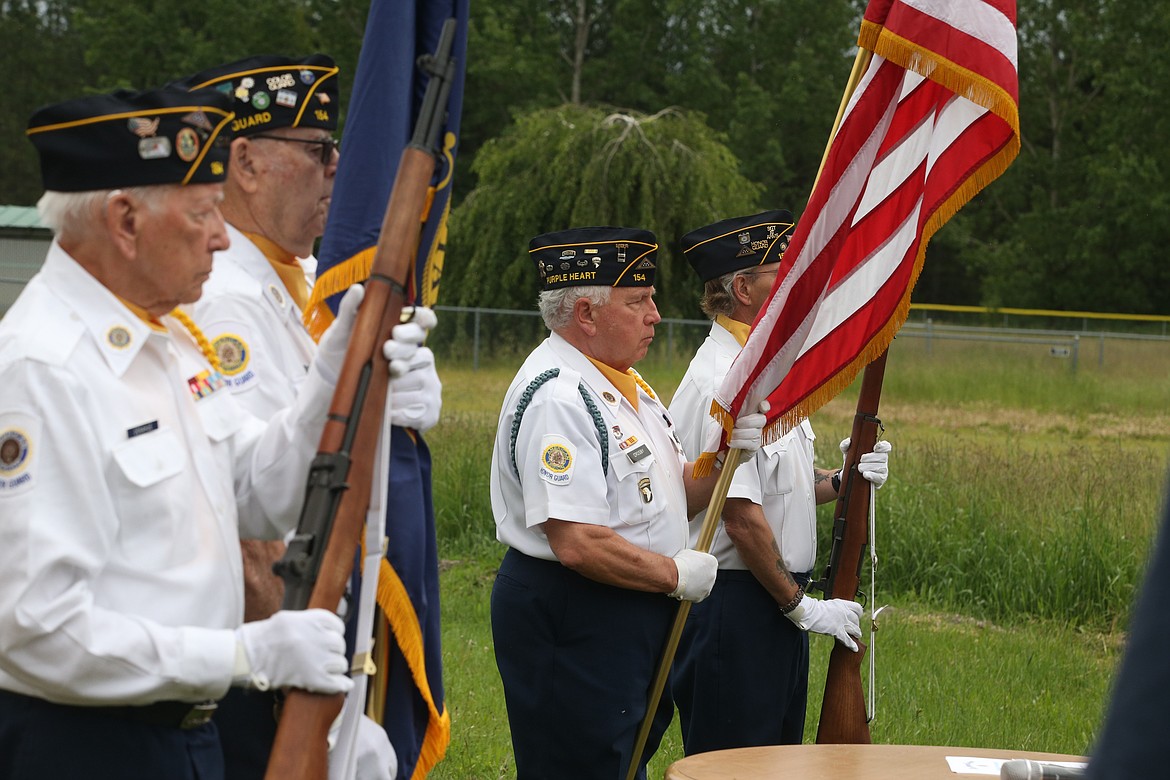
(478, 336)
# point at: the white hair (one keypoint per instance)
(73, 214)
(556, 306)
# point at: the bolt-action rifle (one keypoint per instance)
(843, 718)
(319, 561)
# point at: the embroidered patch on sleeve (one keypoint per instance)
(233, 353)
(19, 435)
(556, 459)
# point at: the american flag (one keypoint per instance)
(933, 120)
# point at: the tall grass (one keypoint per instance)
(1011, 538)
(942, 679)
(1002, 511)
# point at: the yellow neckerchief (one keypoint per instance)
(287, 268)
(626, 384)
(180, 315)
(738, 330)
(141, 314)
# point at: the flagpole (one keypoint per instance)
(731, 462)
(703, 543)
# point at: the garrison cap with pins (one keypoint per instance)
(737, 243)
(270, 91)
(587, 256)
(133, 139)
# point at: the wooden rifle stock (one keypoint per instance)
(320, 558)
(843, 716)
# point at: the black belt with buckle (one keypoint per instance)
(176, 714)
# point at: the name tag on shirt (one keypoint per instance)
(637, 454)
(138, 430)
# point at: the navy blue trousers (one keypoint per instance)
(740, 676)
(42, 741)
(247, 729)
(577, 659)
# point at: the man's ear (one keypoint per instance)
(741, 290)
(584, 314)
(123, 218)
(242, 170)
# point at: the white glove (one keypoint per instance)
(374, 756)
(840, 618)
(296, 649)
(696, 575)
(407, 338)
(331, 347)
(874, 466)
(748, 433)
(416, 397)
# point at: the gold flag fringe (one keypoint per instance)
(399, 615)
(960, 80)
(317, 315)
(703, 465)
(356, 270)
(396, 605)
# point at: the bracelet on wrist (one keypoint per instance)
(794, 603)
(836, 482)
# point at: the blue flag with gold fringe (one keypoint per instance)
(407, 693)
(387, 91)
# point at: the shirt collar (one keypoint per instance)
(624, 383)
(118, 332)
(287, 267)
(738, 330)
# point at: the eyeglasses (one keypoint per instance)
(328, 145)
(773, 271)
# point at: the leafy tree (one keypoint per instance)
(1080, 220)
(575, 166)
(66, 48)
(769, 74)
(513, 66)
(170, 38)
(40, 53)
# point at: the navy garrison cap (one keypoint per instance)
(133, 139)
(270, 91)
(738, 243)
(582, 257)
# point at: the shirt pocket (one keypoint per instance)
(150, 458)
(639, 499)
(776, 477)
(220, 415)
(151, 495)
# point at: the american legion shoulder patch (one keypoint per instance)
(557, 455)
(19, 434)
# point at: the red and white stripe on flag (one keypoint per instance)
(934, 119)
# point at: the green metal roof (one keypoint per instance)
(24, 217)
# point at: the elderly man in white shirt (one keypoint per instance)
(128, 472)
(591, 493)
(740, 678)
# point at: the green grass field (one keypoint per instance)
(1022, 503)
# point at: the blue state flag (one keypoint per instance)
(387, 92)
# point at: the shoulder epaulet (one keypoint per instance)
(590, 404)
(53, 342)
